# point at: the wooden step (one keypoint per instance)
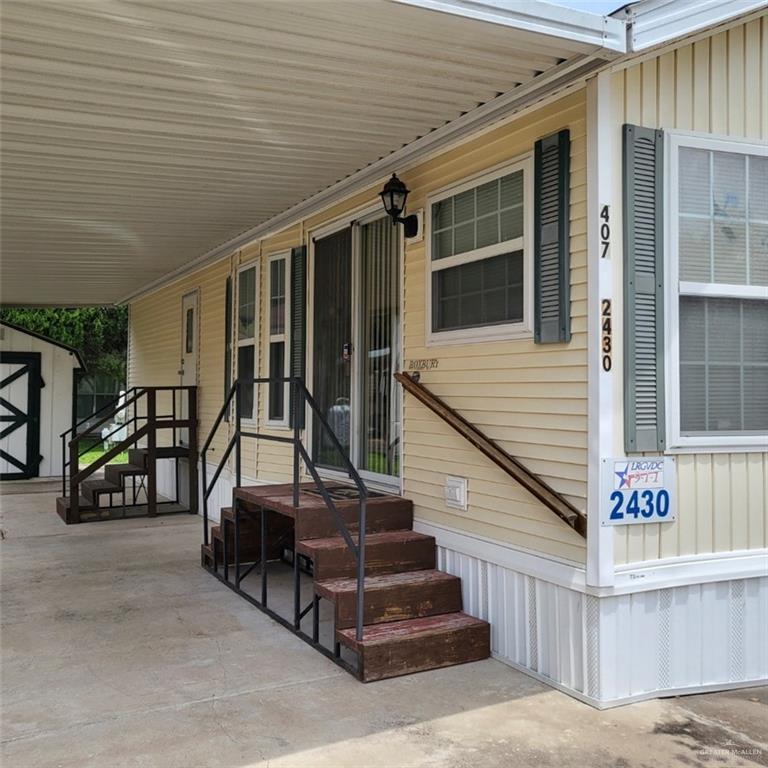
(206, 555)
(114, 473)
(402, 647)
(93, 488)
(389, 552)
(393, 596)
(279, 535)
(138, 456)
(389, 514)
(63, 506)
(313, 518)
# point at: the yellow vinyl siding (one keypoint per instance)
(719, 85)
(531, 398)
(155, 343)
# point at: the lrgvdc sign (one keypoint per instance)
(638, 490)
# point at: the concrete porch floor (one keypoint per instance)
(119, 650)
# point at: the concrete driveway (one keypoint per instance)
(119, 650)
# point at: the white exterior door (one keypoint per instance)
(189, 351)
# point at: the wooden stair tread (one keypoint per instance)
(127, 469)
(163, 451)
(66, 502)
(100, 486)
(420, 628)
(383, 581)
(308, 546)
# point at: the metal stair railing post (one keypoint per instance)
(296, 476)
(64, 465)
(151, 453)
(192, 437)
(74, 485)
(207, 489)
(238, 431)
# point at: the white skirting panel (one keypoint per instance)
(612, 650)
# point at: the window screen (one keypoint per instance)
(486, 292)
(477, 255)
(723, 365)
(486, 215)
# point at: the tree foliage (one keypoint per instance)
(100, 334)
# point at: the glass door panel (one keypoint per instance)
(332, 344)
(378, 418)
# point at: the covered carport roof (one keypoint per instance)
(138, 137)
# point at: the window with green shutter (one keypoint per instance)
(479, 248)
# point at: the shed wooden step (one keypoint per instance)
(402, 647)
(389, 552)
(138, 456)
(63, 505)
(393, 596)
(114, 473)
(92, 489)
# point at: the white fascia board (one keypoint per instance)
(536, 16)
(654, 22)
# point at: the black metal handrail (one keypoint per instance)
(67, 460)
(111, 404)
(301, 399)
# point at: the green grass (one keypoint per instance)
(97, 451)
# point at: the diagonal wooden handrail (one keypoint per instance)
(532, 483)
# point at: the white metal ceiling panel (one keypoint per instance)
(137, 136)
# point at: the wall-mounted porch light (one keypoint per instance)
(394, 195)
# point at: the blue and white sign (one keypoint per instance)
(640, 490)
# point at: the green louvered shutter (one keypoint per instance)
(552, 322)
(643, 290)
(298, 342)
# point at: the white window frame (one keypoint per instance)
(674, 289)
(505, 331)
(254, 340)
(284, 337)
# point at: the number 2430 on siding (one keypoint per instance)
(640, 490)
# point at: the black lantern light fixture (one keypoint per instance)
(394, 195)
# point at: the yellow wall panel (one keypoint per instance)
(715, 85)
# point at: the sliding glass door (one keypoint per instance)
(378, 422)
(356, 346)
(332, 344)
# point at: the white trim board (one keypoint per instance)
(604, 32)
(655, 22)
(630, 579)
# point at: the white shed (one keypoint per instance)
(37, 381)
